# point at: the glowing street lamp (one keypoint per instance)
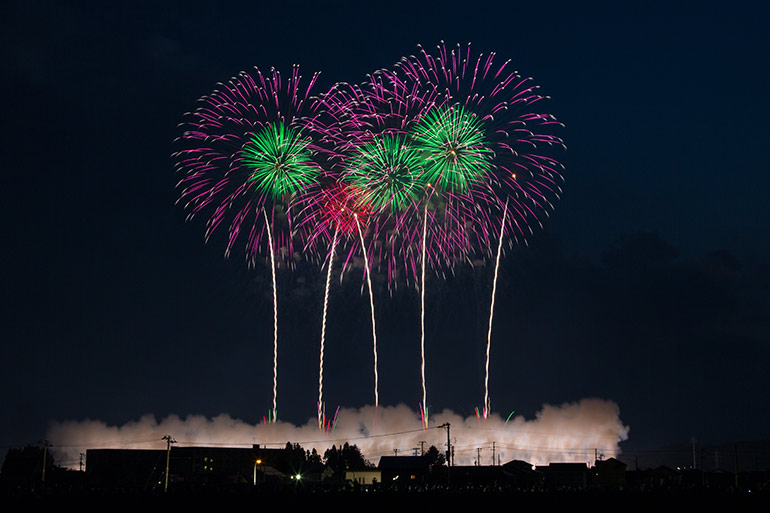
(256, 462)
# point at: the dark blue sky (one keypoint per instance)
(650, 286)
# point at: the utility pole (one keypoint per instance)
(478, 456)
(81, 461)
(448, 445)
(422, 447)
(693, 451)
(493, 452)
(448, 452)
(46, 445)
(169, 440)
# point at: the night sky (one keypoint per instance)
(649, 285)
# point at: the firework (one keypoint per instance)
(485, 149)
(278, 161)
(321, 406)
(409, 154)
(422, 321)
(339, 210)
(434, 162)
(494, 110)
(243, 150)
(487, 111)
(451, 141)
(246, 162)
(371, 303)
(487, 401)
(389, 170)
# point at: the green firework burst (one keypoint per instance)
(389, 170)
(279, 160)
(451, 142)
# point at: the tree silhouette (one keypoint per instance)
(23, 468)
(435, 457)
(348, 457)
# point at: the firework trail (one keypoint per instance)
(422, 324)
(336, 212)
(487, 403)
(321, 407)
(328, 425)
(485, 149)
(371, 303)
(243, 151)
(274, 413)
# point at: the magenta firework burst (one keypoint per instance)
(478, 122)
(375, 152)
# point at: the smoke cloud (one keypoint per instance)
(571, 432)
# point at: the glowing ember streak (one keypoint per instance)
(371, 302)
(487, 405)
(274, 413)
(509, 416)
(422, 316)
(323, 331)
(270, 418)
(329, 425)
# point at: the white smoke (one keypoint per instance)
(572, 432)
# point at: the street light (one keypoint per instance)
(256, 462)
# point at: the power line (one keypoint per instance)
(97, 444)
(325, 440)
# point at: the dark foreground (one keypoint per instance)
(655, 501)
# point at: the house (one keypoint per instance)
(144, 469)
(523, 474)
(566, 476)
(404, 469)
(609, 473)
(363, 477)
